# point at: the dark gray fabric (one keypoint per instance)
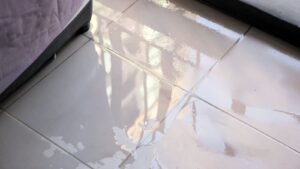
(27, 27)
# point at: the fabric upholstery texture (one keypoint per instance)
(27, 27)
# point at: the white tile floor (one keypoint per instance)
(160, 84)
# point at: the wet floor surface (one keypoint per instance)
(159, 84)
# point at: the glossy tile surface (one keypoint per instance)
(104, 12)
(117, 5)
(22, 148)
(61, 56)
(201, 136)
(115, 98)
(96, 106)
(179, 43)
(259, 83)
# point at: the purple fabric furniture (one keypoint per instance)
(28, 28)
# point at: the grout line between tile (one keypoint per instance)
(129, 6)
(113, 20)
(184, 100)
(235, 43)
(221, 58)
(46, 138)
(249, 125)
(122, 12)
(147, 70)
(124, 58)
(247, 31)
(136, 64)
(141, 67)
(42, 78)
(121, 165)
(206, 74)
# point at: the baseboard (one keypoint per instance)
(258, 18)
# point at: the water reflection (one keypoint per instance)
(132, 104)
(199, 136)
(136, 102)
(180, 58)
(184, 122)
(177, 57)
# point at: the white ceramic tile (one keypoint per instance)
(174, 41)
(62, 55)
(98, 23)
(117, 5)
(259, 83)
(104, 12)
(21, 148)
(201, 136)
(96, 106)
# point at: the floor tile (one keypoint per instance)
(258, 83)
(117, 5)
(201, 136)
(175, 43)
(96, 106)
(104, 12)
(61, 55)
(21, 148)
